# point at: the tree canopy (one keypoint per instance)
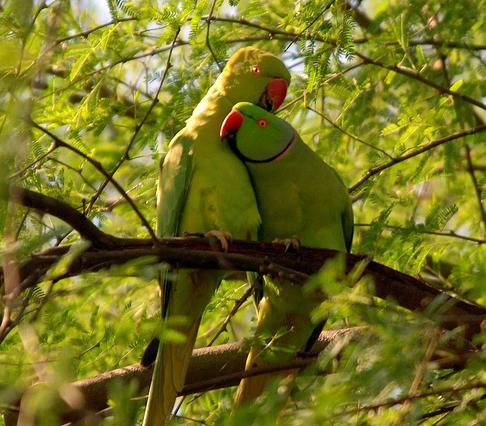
(390, 93)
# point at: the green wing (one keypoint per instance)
(174, 179)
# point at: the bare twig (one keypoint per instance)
(418, 77)
(34, 162)
(233, 311)
(151, 52)
(419, 376)
(418, 395)
(318, 16)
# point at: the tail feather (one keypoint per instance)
(251, 388)
(285, 321)
(189, 296)
(169, 376)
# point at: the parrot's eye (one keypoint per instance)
(255, 69)
(262, 123)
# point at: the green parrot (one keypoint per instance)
(298, 196)
(203, 188)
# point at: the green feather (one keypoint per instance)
(203, 187)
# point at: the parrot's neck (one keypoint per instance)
(212, 110)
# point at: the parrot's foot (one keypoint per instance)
(293, 242)
(223, 237)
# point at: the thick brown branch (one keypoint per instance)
(63, 211)
(267, 258)
(210, 368)
(262, 257)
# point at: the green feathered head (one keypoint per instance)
(254, 76)
(256, 135)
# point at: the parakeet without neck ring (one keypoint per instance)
(203, 187)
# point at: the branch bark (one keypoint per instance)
(262, 257)
(211, 368)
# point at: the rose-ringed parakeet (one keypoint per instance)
(203, 187)
(298, 194)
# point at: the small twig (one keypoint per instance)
(449, 233)
(151, 52)
(446, 410)
(100, 168)
(233, 311)
(86, 33)
(139, 126)
(34, 162)
(326, 81)
(424, 148)
(477, 189)
(299, 35)
(418, 395)
(416, 76)
(340, 129)
(419, 376)
(208, 42)
(75, 170)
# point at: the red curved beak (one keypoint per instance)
(276, 92)
(231, 123)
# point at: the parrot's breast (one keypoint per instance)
(221, 196)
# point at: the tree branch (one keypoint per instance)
(416, 76)
(97, 165)
(476, 185)
(422, 230)
(65, 212)
(262, 257)
(424, 148)
(210, 368)
(85, 34)
(138, 127)
(400, 70)
(202, 253)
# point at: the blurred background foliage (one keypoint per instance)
(373, 81)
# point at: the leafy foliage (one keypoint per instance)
(372, 83)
